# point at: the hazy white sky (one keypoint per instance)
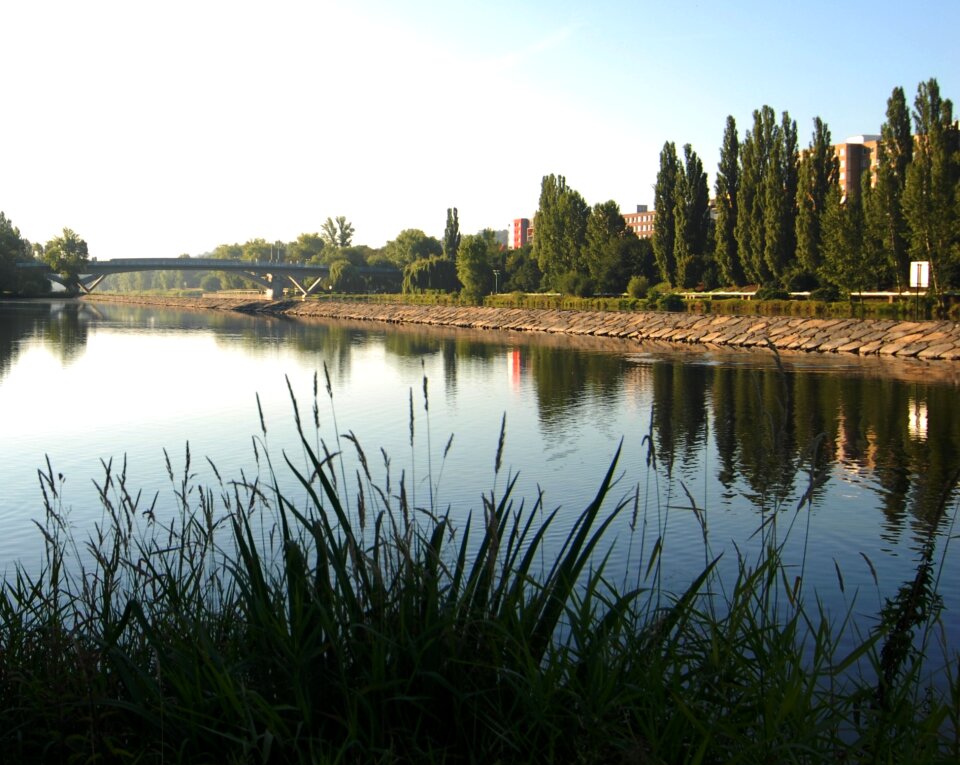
(159, 128)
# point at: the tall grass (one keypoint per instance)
(264, 625)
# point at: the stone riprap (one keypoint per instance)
(929, 340)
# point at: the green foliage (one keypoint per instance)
(670, 301)
(765, 228)
(848, 262)
(66, 254)
(886, 220)
(337, 233)
(475, 260)
(451, 235)
(431, 274)
(931, 196)
(15, 249)
(344, 277)
(691, 220)
(771, 293)
(211, 283)
(308, 248)
(727, 190)
(638, 287)
(575, 283)
(560, 225)
(523, 273)
(827, 294)
(665, 230)
(412, 244)
(819, 172)
(611, 249)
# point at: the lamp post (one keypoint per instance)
(496, 280)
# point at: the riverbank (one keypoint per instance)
(926, 340)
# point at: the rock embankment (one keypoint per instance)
(905, 339)
(921, 339)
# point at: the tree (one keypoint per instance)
(780, 194)
(412, 244)
(886, 219)
(560, 227)
(475, 259)
(451, 234)
(13, 249)
(431, 274)
(843, 261)
(337, 233)
(726, 189)
(66, 254)
(307, 247)
(523, 273)
(210, 283)
(257, 251)
(930, 198)
(344, 277)
(605, 250)
(691, 219)
(766, 205)
(664, 202)
(819, 173)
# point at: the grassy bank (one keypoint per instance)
(238, 623)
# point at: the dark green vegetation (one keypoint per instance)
(784, 221)
(351, 626)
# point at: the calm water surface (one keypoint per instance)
(82, 384)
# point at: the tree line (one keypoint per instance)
(783, 220)
(779, 218)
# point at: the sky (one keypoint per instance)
(154, 129)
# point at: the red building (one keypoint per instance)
(522, 233)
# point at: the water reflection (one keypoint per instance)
(59, 326)
(773, 430)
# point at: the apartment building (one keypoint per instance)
(856, 155)
(522, 233)
(641, 221)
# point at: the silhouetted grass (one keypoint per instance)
(255, 627)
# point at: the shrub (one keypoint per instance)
(826, 294)
(671, 302)
(574, 283)
(771, 293)
(638, 287)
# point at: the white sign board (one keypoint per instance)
(920, 274)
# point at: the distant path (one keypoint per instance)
(925, 340)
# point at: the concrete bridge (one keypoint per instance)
(273, 277)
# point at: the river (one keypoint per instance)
(740, 436)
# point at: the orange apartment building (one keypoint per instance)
(856, 155)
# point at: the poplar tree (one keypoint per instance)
(664, 202)
(844, 263)
(727, 188)
(930, 198)
(818, 174)
(749, 230)
(691, 219)
(885, 213)
(780, 193)
(451, 234)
